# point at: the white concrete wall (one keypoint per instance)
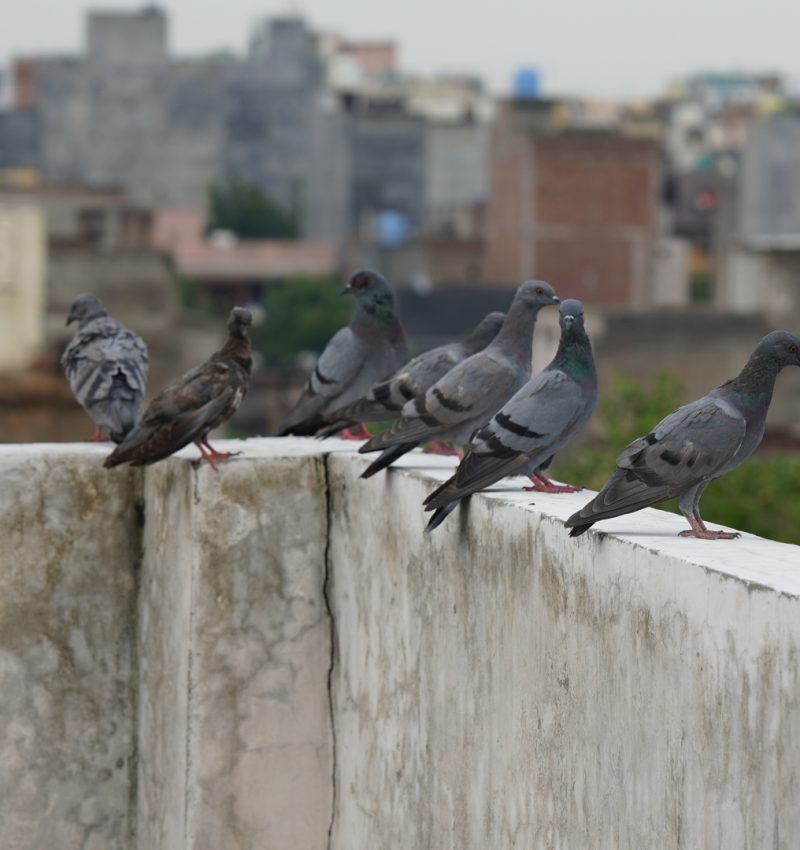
(70, 543)
(235, 742)
(499, 685)
(492, 685)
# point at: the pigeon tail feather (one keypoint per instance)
(387, 458)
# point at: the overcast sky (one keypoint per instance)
(605, 48)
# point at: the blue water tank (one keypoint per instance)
(526, 84)
(391, 228)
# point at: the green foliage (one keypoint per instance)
(246, 210)
(302, 315)
(761, 496)
(627, 411)
(187, 293)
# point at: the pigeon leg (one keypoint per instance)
(99, 436)
(441, 448)
(204, 456)
(212, 454)
(361, 433)
(541, 484)
(699, 530)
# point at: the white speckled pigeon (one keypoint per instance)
(471, 393)
(539, 420)
(385, 400)
(366, 351)
(106, 366)
(189, 409)
(694, 445)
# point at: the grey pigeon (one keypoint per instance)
(539, 420)
(366, 351)
(385, 399)
(189, 409)
(470, 394)
(694, 445)
(106, 366)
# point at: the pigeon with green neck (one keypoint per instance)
(369, 349)
(694, 445)
(386, 399)
(545, 415)
(469, 395)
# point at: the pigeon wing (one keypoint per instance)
(689, 446)
(336, 369)
(181, 413)
(474, 390)
(534, 422)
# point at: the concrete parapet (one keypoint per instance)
(275, 656)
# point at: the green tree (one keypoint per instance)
(245, 209)
(761, 496)
(302, 315)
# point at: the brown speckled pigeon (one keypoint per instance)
(538, 421)
(200, 401)
(469, 395)
(694, 445)
(106, 366)
(366, 351)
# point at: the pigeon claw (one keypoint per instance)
(361, 433)
(540, 484)
(441, 448)
(209, 454)
(698, 529)
(709, 534)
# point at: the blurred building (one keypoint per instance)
(575, 206)
(23, 269)
(269, 102)
(124, 113)
(219, 270)
(759, 246)
(367, 157)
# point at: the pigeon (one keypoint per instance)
(469, 395)
(694, 445)
(385, 400)
(539, 420)
(369, 349)
(189, 409)
(106, 366)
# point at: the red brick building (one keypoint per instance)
(574, 207)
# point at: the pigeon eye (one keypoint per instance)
(792, 349)
(539, 290)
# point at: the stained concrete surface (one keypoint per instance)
(181, 685)
(71, 544)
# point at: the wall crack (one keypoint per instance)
(326, 595)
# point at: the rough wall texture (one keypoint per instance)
(493, 685)
(68, 575)
(235, 737)
(500, 685)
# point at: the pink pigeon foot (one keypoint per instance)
(441, 448)
(699, 530)
(545, 485)
(209, 454)
(99, 436)
(361, 433)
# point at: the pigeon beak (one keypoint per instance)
(70, 320)
(347, 290)
(556, 299)
(569, 321)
